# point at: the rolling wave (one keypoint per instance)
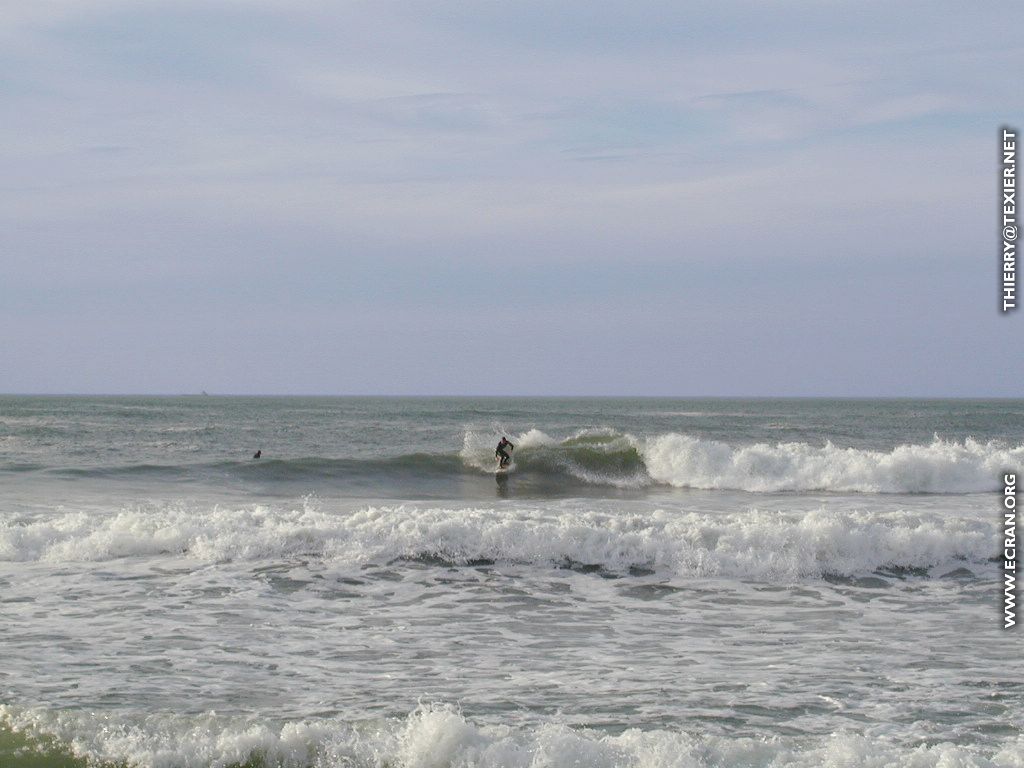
(683, 461)
(437, 734)
(762, 545)
(940, 467)
(605, 457)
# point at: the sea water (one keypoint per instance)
(655, 583)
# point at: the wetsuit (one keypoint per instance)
(501, 454)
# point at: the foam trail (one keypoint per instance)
(750, 544)
(438, 735)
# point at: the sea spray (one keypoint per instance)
(606, 458)
(753, 543)
(437, 735)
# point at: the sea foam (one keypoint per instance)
(607, 457)
(940, 467)
(754, 543)
(439, 736)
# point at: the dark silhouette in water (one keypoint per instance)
(258, 454)
(501, 454)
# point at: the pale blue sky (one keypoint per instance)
(664, 198)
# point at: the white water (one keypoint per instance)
(677, 589)
(834, 624)
(685, 461)
(941, 467)
(435, 736)
(752, 543)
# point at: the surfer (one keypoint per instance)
(258, 454)
(501, 454)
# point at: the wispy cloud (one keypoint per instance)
(165, 161)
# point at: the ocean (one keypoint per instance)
(656, 582)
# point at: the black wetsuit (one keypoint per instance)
(500, 453)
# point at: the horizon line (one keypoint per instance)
(492, 396)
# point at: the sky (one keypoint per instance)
(538, 198)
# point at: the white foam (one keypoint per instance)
(941, 467)
(536, 450)
(478, 447)
(686, 461)
(534, 438)
(751, 544)
(439, 736)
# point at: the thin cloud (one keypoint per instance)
(684, 168)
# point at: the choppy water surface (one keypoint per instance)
(656, 582)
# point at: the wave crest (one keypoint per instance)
(605, 457)
(751, 544)
(941, 467)
(438, 734)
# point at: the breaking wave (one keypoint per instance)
(683, 461)
(605, 457)
(941, 467)
(756, 544)
(593, 457)
(439, 735)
